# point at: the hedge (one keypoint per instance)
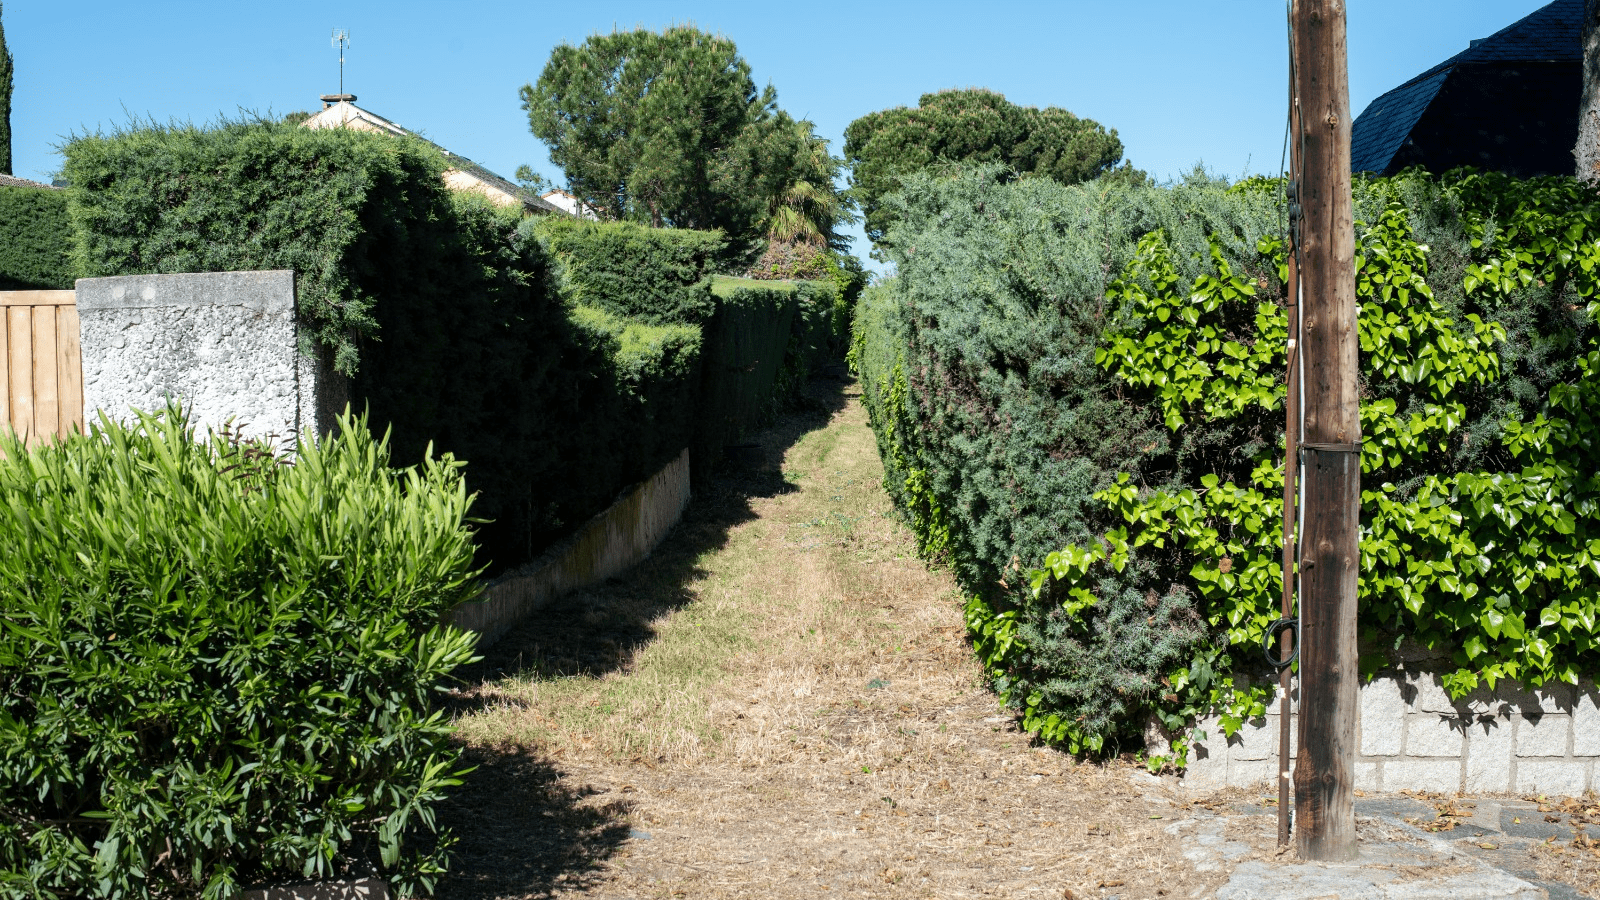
(1074, 393)
(445, 314)
(658, 275)
(219, 667)
(35, 240)
(560, 357)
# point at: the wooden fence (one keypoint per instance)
(41, 371)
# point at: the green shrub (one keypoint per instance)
(443, 313)
(35, 240)
(218, 666)
(657, 275)
(1494, 566)
(746, 344)
(638, 405)
(336, 205)
(1079, 365)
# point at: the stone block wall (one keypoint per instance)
(1412, 736)
(224, 343)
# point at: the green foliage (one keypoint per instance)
(219, 666)
(972, 126)
(658, 275)
(1498, 568)
(1101, 366)
(668, 129)
(35, 240)
(337, 206)
(7, 76)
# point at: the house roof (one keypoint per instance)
(10, 181)
(344, 112)
(1552, 33)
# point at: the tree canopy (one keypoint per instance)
(970, 126)
(669, 129)
(7, 69)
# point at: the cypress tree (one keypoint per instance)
(6, 68)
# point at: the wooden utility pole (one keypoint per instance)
(1324, 775)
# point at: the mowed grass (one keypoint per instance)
(757, 579)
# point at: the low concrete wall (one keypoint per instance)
(224, 343)
(359, 889)
(1412, 736)
(607, 545)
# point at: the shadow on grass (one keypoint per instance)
(523, 832)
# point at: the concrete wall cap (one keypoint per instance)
(268, 291)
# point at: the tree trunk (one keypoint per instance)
(1587, 151)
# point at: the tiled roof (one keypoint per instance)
(455, 160)
(1551, 33)
(10, 181)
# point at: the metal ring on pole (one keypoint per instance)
(1284, 624)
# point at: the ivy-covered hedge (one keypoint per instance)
(219, 668)
(1075, 395)
(35, 240)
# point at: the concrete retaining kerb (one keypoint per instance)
(608, 544)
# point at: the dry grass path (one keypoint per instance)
(780, 703)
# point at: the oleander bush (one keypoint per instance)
(1078, 396)
(35, 240)
(219, 666)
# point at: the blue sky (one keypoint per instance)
(1182, 82)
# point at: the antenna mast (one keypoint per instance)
(341, 40)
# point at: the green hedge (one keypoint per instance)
(219, 668)
(444, 314)
(1074, 394)
(636, 411)
(35, 240)
(658, 275)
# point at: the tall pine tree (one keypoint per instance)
(6, 68)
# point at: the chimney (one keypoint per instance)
(330, 99)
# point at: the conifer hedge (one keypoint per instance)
(35, 240)
(1075, 397)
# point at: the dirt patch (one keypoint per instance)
(781, 703)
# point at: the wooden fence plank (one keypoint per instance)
(69, 370)
(46, 394)
(5, 371)
(20, 320)
(38, 298)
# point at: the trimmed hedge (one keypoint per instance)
(658, 275)
(1060, 373)
(220, 668)
(445, 315)
(35, 240)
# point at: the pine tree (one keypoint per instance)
(6, 69)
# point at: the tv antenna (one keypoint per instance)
(341, 40)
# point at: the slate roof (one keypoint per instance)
(1552, 33)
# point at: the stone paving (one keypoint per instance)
(1484, 856)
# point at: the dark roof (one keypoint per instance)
(10, 181)
(1550, 34)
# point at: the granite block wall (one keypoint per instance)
(1412, 736)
